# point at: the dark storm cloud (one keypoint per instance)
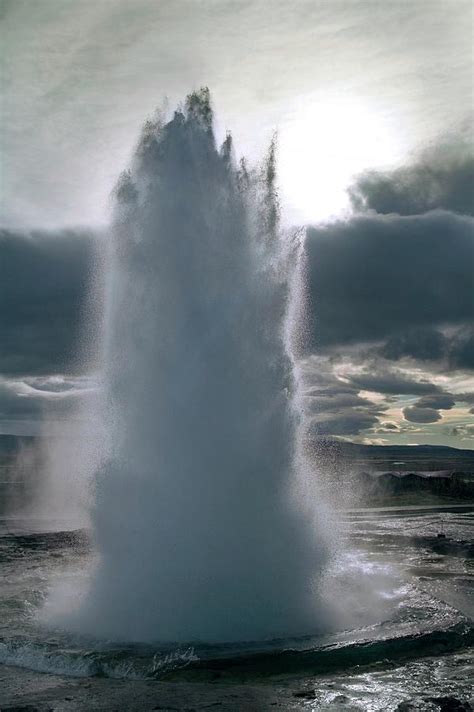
(44, 283)
(427, 344)
(342, 415)
(344, 406)
(384, 380)
(335, 402)
(421, 415)
(345, 422)
(438, 401)
(335, 406)
(426, 409)
(383, 286)
(466, 397)
(421, 344)
(331, 386)
(374, 277)
(443, 178)
(461, 350)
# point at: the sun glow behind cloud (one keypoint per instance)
(323, 143)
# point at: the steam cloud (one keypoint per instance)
(198, 535)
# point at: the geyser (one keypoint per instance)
(198, 532)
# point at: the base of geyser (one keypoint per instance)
(71, 608)
(196, 522)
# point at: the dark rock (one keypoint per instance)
(305, 694)
(25, 708)
(450, 704)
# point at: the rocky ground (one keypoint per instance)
(28, 691)
(425, 685)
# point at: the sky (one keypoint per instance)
(372, 104)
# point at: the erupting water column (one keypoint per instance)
(198, 536)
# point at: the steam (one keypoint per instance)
(197, 520)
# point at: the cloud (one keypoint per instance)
(461, 350)
(346, 398)
(384, 380)
(438, 401)
(374, 277)
(335, 402)
(464, 432)
(387, 427)
(421, 415)
(79, 77)
(27, 400)
(426, 409)
(392, 288)
(45, 280)
(334, 406)
(453, 351)
(345, 422)
(382, 288)
(423, 344)
(443, 177)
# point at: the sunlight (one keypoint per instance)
(322, 146)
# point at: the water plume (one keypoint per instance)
(198, 532)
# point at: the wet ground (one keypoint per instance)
(402, 592)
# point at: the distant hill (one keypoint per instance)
(389, 457)
(368, 475)
(393, 457)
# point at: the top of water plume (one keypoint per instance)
(198, 108)
(198, 529)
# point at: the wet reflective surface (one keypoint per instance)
(399, 626)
